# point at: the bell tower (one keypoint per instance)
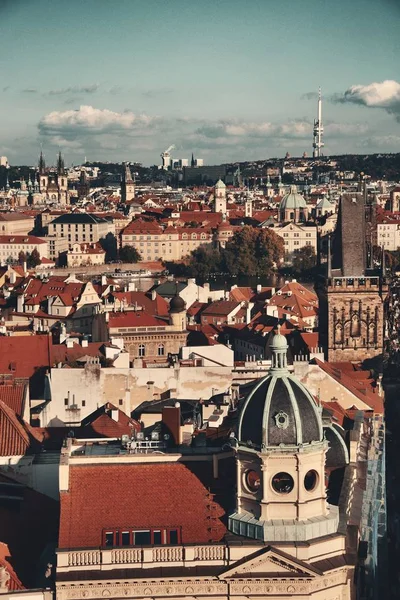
(351, 301)
(281, 454)
(127, 186)
(220, 197)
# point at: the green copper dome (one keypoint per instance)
(293, 200)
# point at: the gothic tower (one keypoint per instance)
(43, 177)
(62, 180)
(127, 185)
(351, 302)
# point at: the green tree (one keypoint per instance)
(129, 254)
(253, 251)
(33, 259)
(204, 261)
(21, 257)
(304, 259)
(109, 245)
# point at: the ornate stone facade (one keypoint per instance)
(356, 318)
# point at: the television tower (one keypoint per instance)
(318, 130)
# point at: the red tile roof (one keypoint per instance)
(139, 496)
(14, 582)
(14, 439)
(13, 396)
(134, 318)
(23, 356)
(221, 307)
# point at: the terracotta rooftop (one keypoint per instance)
(137, 496)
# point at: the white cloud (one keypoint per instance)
(385, 94)
(90, 120)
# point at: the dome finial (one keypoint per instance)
(279, 348)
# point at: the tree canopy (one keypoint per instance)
(251, 251)
(129, 254)
(304, 259)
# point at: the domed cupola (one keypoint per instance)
(293, 206)
(281, 455)
(279, 410)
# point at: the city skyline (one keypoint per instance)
(123, 81)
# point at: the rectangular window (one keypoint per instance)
(109, 538)
(125, 538)
(65, 401)
(142, 538)
(173, 536)
(157, 539)
(83, 402)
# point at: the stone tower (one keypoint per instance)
(352, 300)
(127, 185)
(220, 197)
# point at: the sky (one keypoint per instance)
(228, 80)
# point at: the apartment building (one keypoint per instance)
(80, 227)
(12, 245)
(154, 242)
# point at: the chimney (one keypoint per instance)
(25, 267)
(171, 420)
(153, 295)
(84, 343)
(13, 277)
(259, 288)
(103, 280)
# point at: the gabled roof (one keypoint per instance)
(101, 423)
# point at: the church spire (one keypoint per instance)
(60, 164)
(42, 164)
(192, 161)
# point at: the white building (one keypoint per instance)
(296, 236)
(388, 232)
(12, 245)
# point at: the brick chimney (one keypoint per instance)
(171, 419)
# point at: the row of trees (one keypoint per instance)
(32, 259)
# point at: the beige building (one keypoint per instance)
(57, 245)
(296, 236)
(388, 232)
(11, 247)
(153, 242)
(14, 223)
(85, 254)
(80, 227)
(144, 336)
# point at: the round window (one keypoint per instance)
(310, 480)
(282, 483)
(253, 481)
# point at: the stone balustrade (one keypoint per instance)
(114, 558)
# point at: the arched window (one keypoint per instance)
(161, 350)
(142, 350)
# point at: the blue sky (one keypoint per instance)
(228, 80)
